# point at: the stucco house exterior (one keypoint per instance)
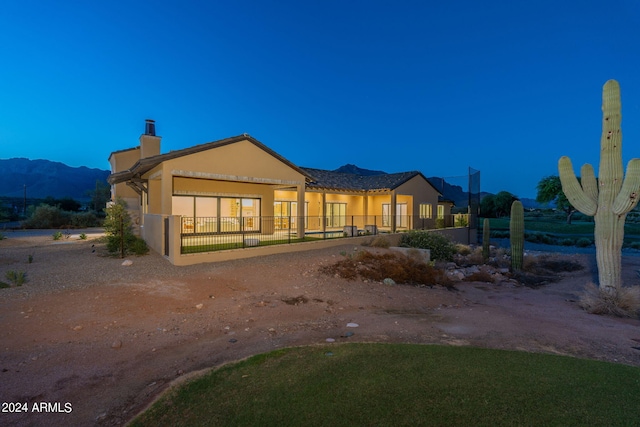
(240, 187)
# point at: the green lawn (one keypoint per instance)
(404, 385)
(557, 227)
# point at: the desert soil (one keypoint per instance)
(103, 340)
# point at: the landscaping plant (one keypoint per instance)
(120, 237)
(609, 198)
(516, 235)
(442, 249)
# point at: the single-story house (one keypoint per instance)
(239, 186)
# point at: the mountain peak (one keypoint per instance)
(355, 170)
(44, 178)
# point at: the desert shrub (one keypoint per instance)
(15, 278)
(567, 242)
(120, 237)
(138, 246)
(500, 234)
(480, 276)
(380, 242)
(85, 219)
(461, 221)
(476, 257)
(83, 236)
(539, 238)
(463, 249)
(583, 242)
(539, 271)
(378, 267)
(57, 235)
(46, 216)
(622, 302)
(442, 249)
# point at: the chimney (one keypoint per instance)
(149, 142)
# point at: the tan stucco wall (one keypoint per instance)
(236, 170)
(422, 192)
(122, 161)
(153, 232)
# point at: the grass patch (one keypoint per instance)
(548, 225)
(404, 385)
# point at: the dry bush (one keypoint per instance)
(480, 276)
(463, 249)
(380, 242)
(377, 267)
(622, 302)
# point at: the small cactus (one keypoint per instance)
(516, 235)
(486, 232)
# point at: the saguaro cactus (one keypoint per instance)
(609, 198)
(516, 235)
(486, 234)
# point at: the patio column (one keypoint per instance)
(300, 221)
(323, 213)
(393, 211)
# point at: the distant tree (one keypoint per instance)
(99, 196)
(488, 206)
(503, 201)
(66, 203)
(550, 190)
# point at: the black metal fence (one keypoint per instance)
(208, 234)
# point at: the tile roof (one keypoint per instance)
(144, 165)
(324, 179)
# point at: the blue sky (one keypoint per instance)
(505, 87)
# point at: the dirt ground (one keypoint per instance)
(98, 351)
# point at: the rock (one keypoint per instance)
(389, 281)
(330, 340)
(352, 325)
(127, 262)
(348, 334)
(233, 340)
(199, 306)
(77, 328)
(116, 344)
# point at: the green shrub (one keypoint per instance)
(17, 278)
(83, 236)
(57, 235)
(45, 216)
(85, 219)
(539, 238)
(138, 246)
(634, 245)
(567, 242)
(120, 237)
(500, 234)
(442, 249)
(583, 242)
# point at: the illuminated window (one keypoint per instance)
(426, 211)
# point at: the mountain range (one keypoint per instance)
(44, 178)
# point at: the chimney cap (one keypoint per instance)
(150, 127)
